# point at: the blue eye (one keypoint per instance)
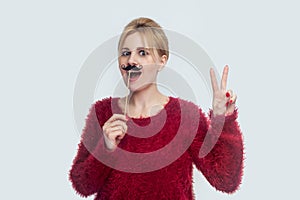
(125, 53)
(143, 53)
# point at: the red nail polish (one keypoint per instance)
(227, 94)
(227, 103)
(230, 101)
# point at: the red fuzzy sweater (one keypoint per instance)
(167, 174)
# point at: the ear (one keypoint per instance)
(163, 61)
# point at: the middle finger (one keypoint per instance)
(224, 78)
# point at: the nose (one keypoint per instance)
(132, 59)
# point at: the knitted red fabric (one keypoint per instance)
(222, 166)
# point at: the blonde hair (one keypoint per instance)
(151, 30)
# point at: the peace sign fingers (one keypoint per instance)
(214, 81)
(223, 99)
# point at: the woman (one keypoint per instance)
(122, 123)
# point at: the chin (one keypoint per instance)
(139, 88)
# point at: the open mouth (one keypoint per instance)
(134, 75)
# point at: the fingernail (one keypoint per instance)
(227, 103)
(227, 94)
(230, 101)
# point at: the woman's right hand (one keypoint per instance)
(114, 130)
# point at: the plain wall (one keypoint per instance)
(43, 45)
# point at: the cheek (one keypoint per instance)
(152, 68)
(122, 60)
(150, 72)
(123, 72)
(120, 63)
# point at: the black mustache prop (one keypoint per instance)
(132, 67)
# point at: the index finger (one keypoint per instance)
(213, 79)
(115, 117)
(224, 78)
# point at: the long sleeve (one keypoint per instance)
(87, 173)
(217, 151)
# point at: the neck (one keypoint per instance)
(146, 98)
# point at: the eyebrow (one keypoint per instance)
(138, 48)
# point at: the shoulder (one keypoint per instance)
(104, 108)
(185, 109)
(184, 104)
(188, 113)
(102, 103)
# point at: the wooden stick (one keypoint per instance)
(126, 100)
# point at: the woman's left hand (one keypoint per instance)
(223, 99)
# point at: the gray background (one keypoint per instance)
(44, 43)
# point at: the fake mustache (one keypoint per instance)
(131, 67)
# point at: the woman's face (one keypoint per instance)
(135, 51)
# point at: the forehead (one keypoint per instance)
(135, 40)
